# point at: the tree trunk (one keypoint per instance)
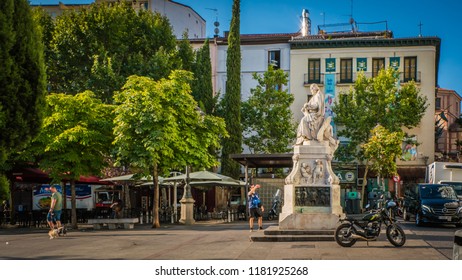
(74, 206)
(155, 206)
(363, 187)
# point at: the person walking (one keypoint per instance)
(54, 215)
(256, 209)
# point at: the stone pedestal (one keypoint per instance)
(312, 190)
(187, 211)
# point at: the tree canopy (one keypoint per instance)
(99, 47)
(266, 115)
(382, 101)
(75, 138)
(372, 101)
(232, 98)
(22, 77)
(158, 126)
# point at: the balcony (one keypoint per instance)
(321, 81)
(307, 81)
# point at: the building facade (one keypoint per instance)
(334, 63)
(182, 17)
(448, 131)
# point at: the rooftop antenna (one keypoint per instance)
(216, 23)
(420, 29)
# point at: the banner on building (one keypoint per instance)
(330, 64)
(409, 149)
(394, 62)
(329, 80)
(361, 64)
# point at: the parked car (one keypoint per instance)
(433, 203)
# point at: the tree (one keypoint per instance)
(75, 138)
(266, 115)
(382, 149)
(232, 98)
(201, 87)
(158, 126)
(374, 101)
(99, 47)
(185, 53)
(22, 77)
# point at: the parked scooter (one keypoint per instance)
(368, 227)
(273, 212)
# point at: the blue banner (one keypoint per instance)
(330, 64)
(361, 64)
(329, 80)
(394, 62)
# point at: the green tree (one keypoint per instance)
(382, 149)
(185, 53)
(75, 138)
(266, 115)
(98, 48)
(158, 126)
(373, 101)
(232, 98)
(201, 87)
(22, 77)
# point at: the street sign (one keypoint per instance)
(396, 178)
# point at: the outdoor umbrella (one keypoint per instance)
(129, 177)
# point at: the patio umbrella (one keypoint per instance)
(199, 175)
(131, 178)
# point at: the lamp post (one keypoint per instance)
(187, 203)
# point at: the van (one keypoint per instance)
(433, 203)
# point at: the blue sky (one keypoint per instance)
(438, 18)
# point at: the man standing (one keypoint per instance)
(54, 215)
(255, 207)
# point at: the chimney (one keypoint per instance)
(306, 23)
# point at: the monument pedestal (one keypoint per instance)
(312, 190)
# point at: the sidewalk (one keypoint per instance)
(202, 241)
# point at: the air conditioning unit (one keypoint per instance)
(360, 181)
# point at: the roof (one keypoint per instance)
(264, 160)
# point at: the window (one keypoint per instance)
(346, 70)
(438, 103)
(377, 65)
(314, 71)
(274, 58)
(410, 69)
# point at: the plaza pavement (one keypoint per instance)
(211, 240)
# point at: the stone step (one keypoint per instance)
(290, 238)
(274, 234)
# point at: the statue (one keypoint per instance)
(306, 173)
(313, 116)
(318, 172)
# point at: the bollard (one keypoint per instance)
(229, 216)
(141, 218)
(457, 251)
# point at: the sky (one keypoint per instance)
(438, 18)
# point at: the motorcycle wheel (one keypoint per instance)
(270, 217)
(395, 235)
(418, 220)
(343, 235)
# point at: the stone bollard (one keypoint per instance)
(457, 251)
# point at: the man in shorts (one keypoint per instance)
(255, 207)
(54, 215)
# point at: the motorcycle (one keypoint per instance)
(369, 226)
(273, 212)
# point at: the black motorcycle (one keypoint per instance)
(368, 227)
(273, 212)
